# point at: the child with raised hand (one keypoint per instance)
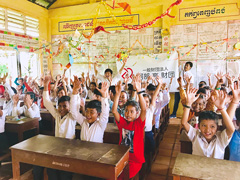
(30, 109)
(97, 113)
(150, 105)
(64, 124)
(206, 141)
(134, 123)
(234, 145)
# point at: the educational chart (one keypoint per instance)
(234, 35)
(183, 35)
(106, 47)
(207, 45)
(211, 32)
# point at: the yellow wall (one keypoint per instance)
(32, 10)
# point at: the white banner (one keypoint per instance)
(163, 65)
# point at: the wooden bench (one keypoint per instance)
(4, 156)
(192, 167)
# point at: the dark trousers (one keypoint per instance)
(149, 142)
(38, 172)
(176, 103)
(3, 143)
(54, 174)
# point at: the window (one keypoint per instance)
(16, 22)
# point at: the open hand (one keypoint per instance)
(191, 96)
(219, 99)
(104, 89)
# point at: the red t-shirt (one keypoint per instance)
(137, 128)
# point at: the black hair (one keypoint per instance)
(95, 104)
(20, 79)
(63, 99)
(125, 93)
(60, 89)
(201, 90)
(14, 90)
(207, 87)
(151, 87)
(230, 93)
(201, 84)
(100, 85)
(93, 83)
(97, 92)
(41, 88)
(130, 87)
(108, 70)
(52, 83)
(190, 64)
(132, 103)
(208, 115)
(148, 96)
(112, 89)
(32, 95)
(237, 114)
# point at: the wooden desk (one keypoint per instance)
(93, 159)
(186, 144)
(48, 123)
(21, 126)
(198, 167)
(111, 134)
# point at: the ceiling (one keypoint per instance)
(53, 4)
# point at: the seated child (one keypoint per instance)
(206, 141)
(150, 106)
(134, 124)
(30, 109)
(64, 127)
(234, 145)
(97, 113)
(3, 138)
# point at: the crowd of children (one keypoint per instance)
(136, 106)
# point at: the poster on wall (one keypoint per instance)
(214, 66)
(184, 36)
(234, 36)
(209, 32)
(157, 40)
(161, 65)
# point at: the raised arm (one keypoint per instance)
(104, 104)
(219, 100)
(46, 100)
(124, 63)
(235, 101)
(95, 68)
(137, 87)
(156, 92)
(74, 108)
(118, 89)
(190, 98)
(56, 85)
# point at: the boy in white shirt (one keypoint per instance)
(150, 106)
(97, 113)
(64, 127)
(30, 109)
(3, 138)
(206, 141)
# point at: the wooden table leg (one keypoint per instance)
(126, 172)
(176, 178)
(15, 168)
(20, 136)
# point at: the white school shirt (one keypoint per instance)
(95, 132)
(115, 79)
(214, 149)
(8, 106)
(2, 122)
(90, 95)
(32, 112)
(149, 118)
(162, 101)
(64, 127)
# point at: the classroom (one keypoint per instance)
(119, 89)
